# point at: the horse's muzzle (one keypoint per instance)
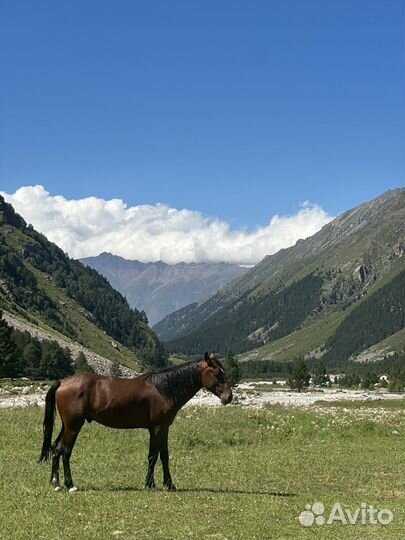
(226, 398)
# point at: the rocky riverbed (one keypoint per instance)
(33, 394)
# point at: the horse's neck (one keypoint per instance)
(186, 392)
(186, 395)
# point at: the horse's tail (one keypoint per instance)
(49, 420)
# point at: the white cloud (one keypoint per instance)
(89, 226)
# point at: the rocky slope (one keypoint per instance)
(99, 363)
(41, 284)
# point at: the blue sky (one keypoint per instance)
(239, 110)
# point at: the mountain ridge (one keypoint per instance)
(158, 288)
(350, 255)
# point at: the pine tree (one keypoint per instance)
(9, 362)
(135, 335)
(82, 365)
(115, 370)
(48, 368)
(56, 362)
(231, 367)
(396, 385)
(300, 376)
(64, 362)
(32, 359)
(369, 380)
(319, 375)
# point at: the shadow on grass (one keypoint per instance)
(196, 490)
(237, 492)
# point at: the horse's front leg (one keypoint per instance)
(164, 456)
(154, 447)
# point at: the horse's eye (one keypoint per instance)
(221, 376)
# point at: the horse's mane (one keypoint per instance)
(174, 381)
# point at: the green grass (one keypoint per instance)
(241, 474)
(386, 404)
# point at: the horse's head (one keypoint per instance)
(213, 378)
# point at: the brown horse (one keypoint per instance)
(149, 401)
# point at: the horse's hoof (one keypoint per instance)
(73, 489)
(170, 487)
(57, 488)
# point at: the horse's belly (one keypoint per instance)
(120, 424)
(123, 417)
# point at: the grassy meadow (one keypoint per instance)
(241, 473)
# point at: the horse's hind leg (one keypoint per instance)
(55, 461)
(68, 441)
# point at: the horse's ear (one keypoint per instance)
(208, 359)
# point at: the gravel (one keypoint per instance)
(244, 394)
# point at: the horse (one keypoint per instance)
(150, 401)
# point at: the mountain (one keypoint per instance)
(296, 301)
(158, 288)
(40, 284)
